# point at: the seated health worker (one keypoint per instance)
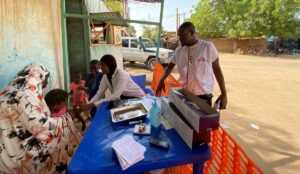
(117, 81)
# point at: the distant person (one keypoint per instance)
(142, 45)
(198, 62)
(93, 78)
(117, 81)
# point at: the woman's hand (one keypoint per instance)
(87, 107)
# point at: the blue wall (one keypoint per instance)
(29, 33)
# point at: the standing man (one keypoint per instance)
(198, 62)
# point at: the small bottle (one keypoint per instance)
(154, 117)
(154, 114)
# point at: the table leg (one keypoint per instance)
(198, 168)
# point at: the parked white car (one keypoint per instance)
(143, 50)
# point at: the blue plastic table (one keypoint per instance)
(95, 155)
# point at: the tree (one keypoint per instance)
(208, 21)
(284, 21)
(115, 6)
(247, 18)
(151, 32)
(131, 30)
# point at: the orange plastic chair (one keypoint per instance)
(227, 156)
(170, 81)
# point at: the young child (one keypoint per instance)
(78, 90)
(57, 101)
(79, 97)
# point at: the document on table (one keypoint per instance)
(128, 151)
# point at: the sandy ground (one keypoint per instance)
(263, 114)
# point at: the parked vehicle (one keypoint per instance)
(283, 46)
(143, 50)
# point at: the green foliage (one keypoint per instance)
(115, 6)
(207, 20)
(151, 32)
(247, 18)
(131, 30)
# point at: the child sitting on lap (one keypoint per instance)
(57, 101)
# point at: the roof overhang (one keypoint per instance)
(113, 18)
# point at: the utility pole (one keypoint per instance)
(125, 7)
(177, 20)
(160, 27)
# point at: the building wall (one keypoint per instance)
(256, 45)
(30, 32)
(224, 45)
(242, 46)
(228, 45)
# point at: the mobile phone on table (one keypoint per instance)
(159, 143)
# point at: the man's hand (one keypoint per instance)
(220, 79)
(87, 107)
(223, 101)
(160, 87)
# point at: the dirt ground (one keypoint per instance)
(263, 114)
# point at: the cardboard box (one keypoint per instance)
(182, 127)
(200, 115)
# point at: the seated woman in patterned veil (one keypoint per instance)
(31, 141)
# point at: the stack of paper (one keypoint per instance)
(128, 151)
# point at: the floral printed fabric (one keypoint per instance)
(32, 142)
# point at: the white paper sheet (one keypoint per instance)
(128, 151)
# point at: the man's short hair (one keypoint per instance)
(187, 26)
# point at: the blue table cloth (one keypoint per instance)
(95, 155)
